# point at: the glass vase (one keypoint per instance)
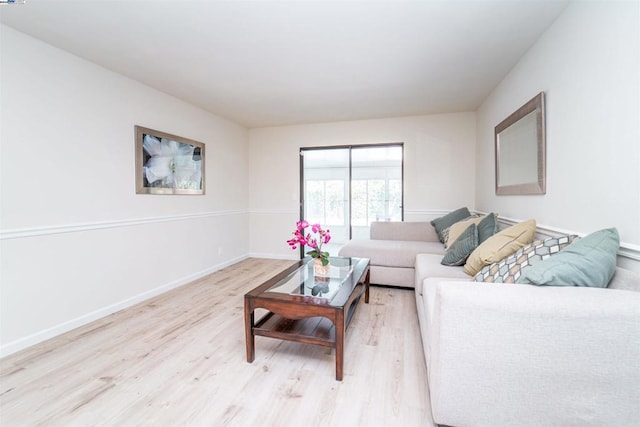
(319, 269)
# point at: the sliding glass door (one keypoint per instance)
(346, 188)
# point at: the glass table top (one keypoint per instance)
(306, 282)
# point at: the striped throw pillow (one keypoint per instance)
(459, 250)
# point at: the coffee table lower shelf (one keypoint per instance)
(310, 330)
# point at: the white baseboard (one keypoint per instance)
(38, 337)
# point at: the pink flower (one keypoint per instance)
(313, 242)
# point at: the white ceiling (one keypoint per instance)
(265, 63)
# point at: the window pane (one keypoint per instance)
(359, 203)
(334, 203)
(377, 201)
(380, 156)
(314, 201)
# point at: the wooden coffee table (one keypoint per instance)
(308, 308)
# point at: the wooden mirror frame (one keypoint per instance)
(536, 186)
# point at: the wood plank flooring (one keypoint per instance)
(179, 359)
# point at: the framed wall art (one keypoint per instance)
(168, 164)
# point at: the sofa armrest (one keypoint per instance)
(412, 231)
(506, 354)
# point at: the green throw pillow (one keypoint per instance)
(487, 227)
(440, 224)
(460, 249)
(590, 261)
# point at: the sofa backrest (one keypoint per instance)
(421, 231)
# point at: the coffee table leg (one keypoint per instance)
(248, 330)
(366, 284)
(339, 344)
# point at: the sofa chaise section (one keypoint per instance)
(392, 250)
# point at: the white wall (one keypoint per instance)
(587, 63)
(439, 169)
(76, 241)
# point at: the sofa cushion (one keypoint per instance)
(428, 265)
(391, 253)
(590, 261)
(500, 245)
(459, 250)
(510, 269)
(448, 220)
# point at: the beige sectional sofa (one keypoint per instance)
(514, 354)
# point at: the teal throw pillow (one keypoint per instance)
(442, 223)
(590, 261)
(487, 227)
(459, 250)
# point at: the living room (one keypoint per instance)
(77, 242)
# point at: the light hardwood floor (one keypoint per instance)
(179, 359)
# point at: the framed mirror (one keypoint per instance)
(520, 148)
